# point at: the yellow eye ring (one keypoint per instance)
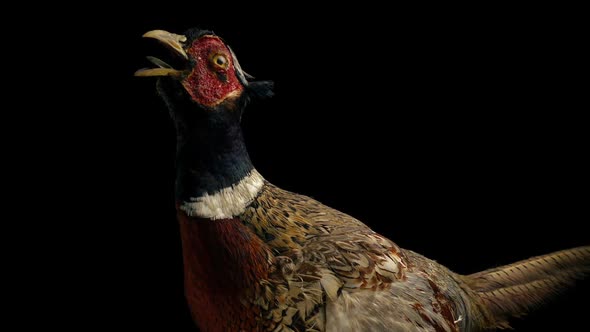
(220, 61)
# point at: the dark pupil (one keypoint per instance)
(220, 60)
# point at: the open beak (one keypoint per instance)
(175, 43)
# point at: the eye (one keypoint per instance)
(220, 61)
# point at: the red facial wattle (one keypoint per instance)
(207, 84)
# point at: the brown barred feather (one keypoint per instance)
(574, 262)
(515, 289)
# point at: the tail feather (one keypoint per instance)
(574, 261)
(515, 289)
(519, 299)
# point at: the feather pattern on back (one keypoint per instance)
(333, 273)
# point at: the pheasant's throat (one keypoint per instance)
(224, 263)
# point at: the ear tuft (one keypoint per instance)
(261, 89)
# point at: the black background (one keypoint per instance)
(458, 133)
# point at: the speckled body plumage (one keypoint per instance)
(345, 265)
(259, 258)
(319, 269)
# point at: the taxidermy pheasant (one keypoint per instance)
(259, 258)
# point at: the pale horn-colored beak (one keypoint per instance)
(169, 39)
(172, 40)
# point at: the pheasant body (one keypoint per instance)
(336, 265)
(259, 258)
